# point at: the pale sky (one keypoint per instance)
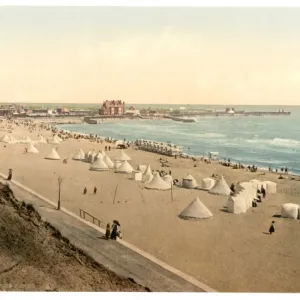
(150, 55)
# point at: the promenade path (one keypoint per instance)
(120, 257)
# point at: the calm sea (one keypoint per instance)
(264, 141)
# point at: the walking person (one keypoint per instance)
(95, 190)
(84, 191)
(263, 191)
(272, 229)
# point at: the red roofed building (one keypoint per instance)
(112, 108)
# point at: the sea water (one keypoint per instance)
(266, 141)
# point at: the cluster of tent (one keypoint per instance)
(27, 140)
(102, 162)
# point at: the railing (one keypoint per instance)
(100, 223)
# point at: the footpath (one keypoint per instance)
(118, 256)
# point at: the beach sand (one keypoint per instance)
(230, 253)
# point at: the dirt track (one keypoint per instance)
(35, 257)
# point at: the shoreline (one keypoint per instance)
(190, 156)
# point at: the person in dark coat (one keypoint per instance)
(84, 191)
(232, 188)
(263, 191)
(272, 229)
(95, 190)
(114, 231)
(9, 174)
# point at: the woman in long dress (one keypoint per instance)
(114, 230)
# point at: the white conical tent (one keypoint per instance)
(32, 149)
(53, 155)
(53, 140)
(123, 156)
(125, 167)
(196, 211)
(118, 164)
(99, 165)
(103, 153)
(157, 183)
(99, 155)
(41, 140)
(141, 168)
(148, 171)
(58, 138)
(108, 161)
(189, 182)
(86, 156)
(79, 155)
(5, 139)
(220, 188)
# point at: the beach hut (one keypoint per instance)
(53, 155)
(207, 184)
(53, 140)
(108, 161)
(249, 192)
(189, 182)
(137, 175)
(270, 187)
(256, 184)
(196, 210)
(32, 149)
(290, 210)
(237, 203)
(157, 183)
(99, 165)
(125, 167)
(123, 156)
(168, 179)
(220, 188)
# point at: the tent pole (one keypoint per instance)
(115, 194)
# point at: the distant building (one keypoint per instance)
(112, 108)
(132, 111)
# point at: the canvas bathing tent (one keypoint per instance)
(196, 210)
(53, 155)
(53, 140)
(41, 140)
(123, 156)
(220, 188)
(270, 187)
(118, 164)
(141, 168)
(79, 155)
(189, 182)
(137, 175)
(8, 139)
(108, 161)
(125, 167)
(32, 149)
(207, 184)
(99, 165)
(290, 210)
(157, 183)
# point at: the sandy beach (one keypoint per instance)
(230, 253)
